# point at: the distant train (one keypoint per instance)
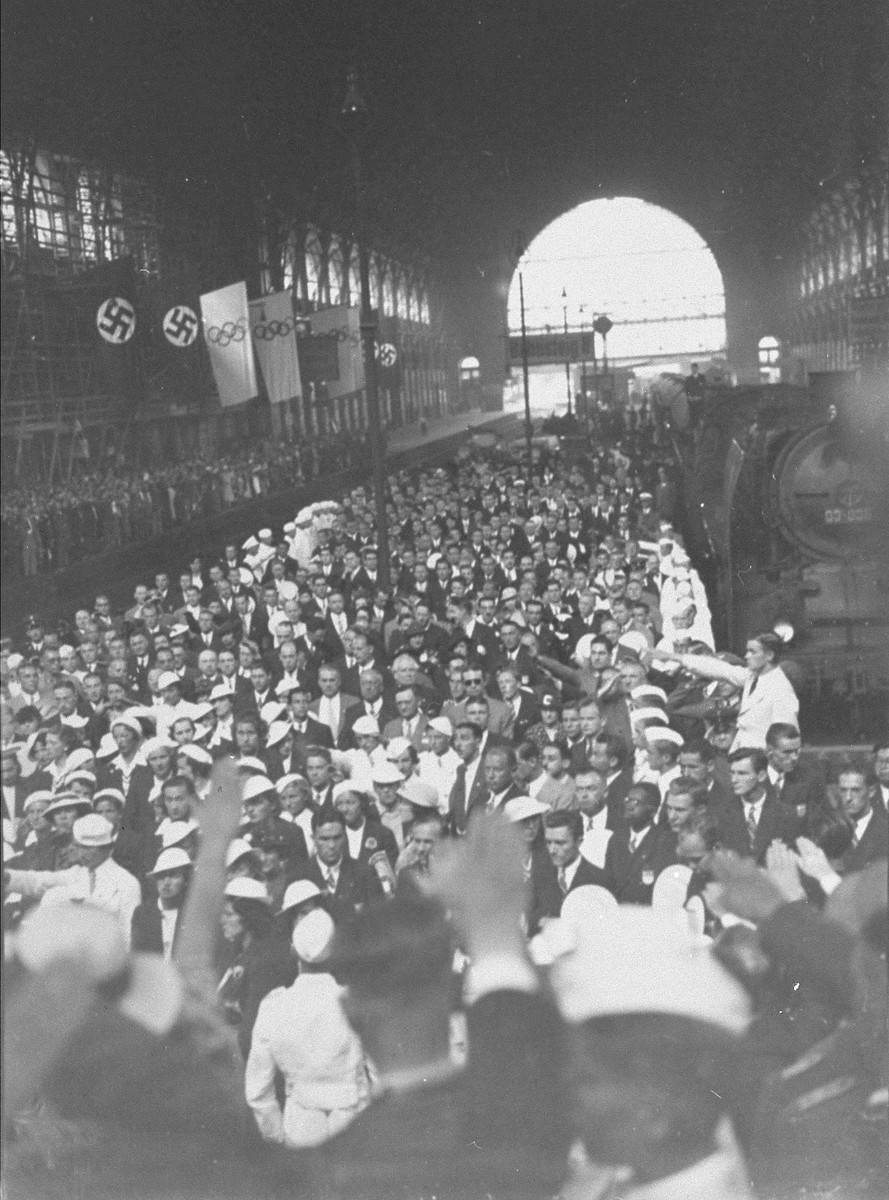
(787, 500)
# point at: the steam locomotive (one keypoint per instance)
(786, 496)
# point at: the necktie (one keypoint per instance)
(563, 881)
(460, 797)
(330, 882)
(750, 818)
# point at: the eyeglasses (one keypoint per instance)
(472, 679)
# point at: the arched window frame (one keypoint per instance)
(314, 266)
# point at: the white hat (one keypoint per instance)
(250, 544)
(169, 679)
(202, 710)
(257, 785)
(285, 780)
(237, 848)
(110, 793)
(418, 793)
(386, 772)
(251, 763)
(221, 692)
(107, 747)
(245, 888)
(128, 720)
(78, 758)
(176, 631)
(366, 727)
(286, 686)
(177, 831)
(648, 713)
(298, 893)
(15, 661)
(648, 689)
(92, 830)
(271, 711)
(75, 721)
(313, 936)
(290, 527)
(663, 733)
(245, 575)
(635, 960)
(397, 746)
(442, 725)
(174, 859)
(346, 786)
(305, 516)
(582, 649)
(522, 808)
(33, 797)
(264, 533)
(67, 800)
(634, 641)
(197, 754)
(152, 745)
(143, 710)
(278, 731)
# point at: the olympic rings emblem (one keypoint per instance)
(230, 331)
(267, 331)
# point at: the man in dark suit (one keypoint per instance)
(435, 1131)
(697, 761)
(498, 773)
(307, 729)
(638, 852)
(752, 819)
(566, 868)
(469, 785)
(801, 788)
(15, 789)
(373, 703)
(610, 756)
(349, 886)
(243, 695)
(868, 821)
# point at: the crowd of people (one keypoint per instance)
(95, 511)
(481, 872)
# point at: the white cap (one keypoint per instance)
(176, 631)
(250, 544)
(251, 763)
(128, 720)
(285, 780)
(636, 960)
(663, 733)
(221, 692)
(649, 713)
(648, 689)
(197, 754)
(78, 758)
(421, 794)
(110, 793)
(386, 772)
(174, 859)
(346, 786)
(522, 808)
(92, 830)
(285, 687)
(278, 731)
(313, 936)
(582, 649)
(75, 721)
(634, 640)
(177, 831)
(152, 745)
(298, 893)
(290, 527)
(271, 711)
(237, 848)
(202, 710)
(245, 888)
(264, 533)
(245, 575)
(442, 725)
(15, 661)
(366, 727)
(257, 785)
(397, 746)
(169, 679)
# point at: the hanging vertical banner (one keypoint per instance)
(273, 328)
(342, 322)
(226, 318)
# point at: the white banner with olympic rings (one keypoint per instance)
(342, 322)
(226, 319)
(273, 327)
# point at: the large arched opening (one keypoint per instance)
(646, 270)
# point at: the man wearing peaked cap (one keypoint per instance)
(656, 1030)
(96, 879)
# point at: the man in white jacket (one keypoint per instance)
(302, 1032)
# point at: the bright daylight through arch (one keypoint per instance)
(641, 265)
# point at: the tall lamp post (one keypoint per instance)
(603, 326)
(529, 433)
(583, 392)
(567, 352)
(354, 112)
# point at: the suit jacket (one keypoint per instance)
(545, 894)
(395, 728)
(803, 790)
(527, 716)
(317, 733)
(356, 886)
(244, 695)
(615, 794)
(138, 814)
(873, 845)
(626, 871)
(502, 1119)
(362, 709)
(480, 798)
(459, 803)
(346, 702)
(374, 838)
(22, 789)
(147, 932)
(777, 822)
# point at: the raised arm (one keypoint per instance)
(706, 665)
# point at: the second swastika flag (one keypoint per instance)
(226, 319)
